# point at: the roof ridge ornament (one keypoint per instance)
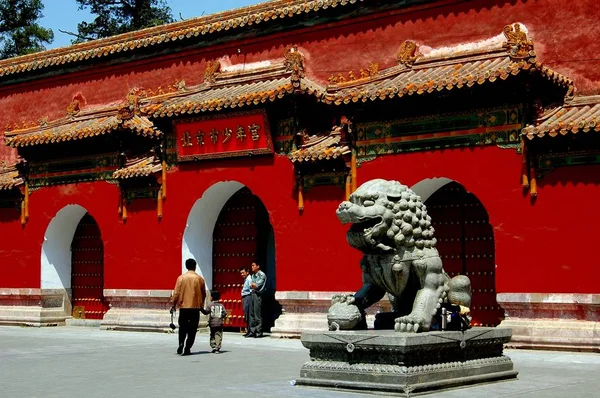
(213, 68)
(294, 62)
(517, 43)
(408, 53)
(73, 108)
(76, 105)
(131, 106)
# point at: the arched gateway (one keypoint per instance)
(229, 228)
(73, 260)
(465, 243)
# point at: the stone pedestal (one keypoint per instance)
(139, 310)
(553, 321)
(404, 362)
(34, 307)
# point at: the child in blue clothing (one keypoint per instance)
(216, 315)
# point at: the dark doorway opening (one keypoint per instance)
(243, 234)
(466, 244)
(87, 271)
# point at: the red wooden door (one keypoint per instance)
(238, 240)
(87, 270)
(466, 244)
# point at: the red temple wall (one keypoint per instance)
(540, 246)
(537, 249)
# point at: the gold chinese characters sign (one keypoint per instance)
(223, 136)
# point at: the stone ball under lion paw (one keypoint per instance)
(343, 316)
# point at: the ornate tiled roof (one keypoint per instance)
(320, 147)
(139, 167)
(235, 89)
(444, 69)
(575, 115)
(9, 177)
(203, 26)
(79, 128)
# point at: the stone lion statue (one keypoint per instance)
(391, 227)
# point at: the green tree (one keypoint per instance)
(119, 16)
(20, 33)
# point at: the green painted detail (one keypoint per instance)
(284, 147)
(513, 145)
(84, 169)
(368, 152)
(461, 125)
(171, 149)
(547, 162)
(71, 179)
(132, 194)
(285, 127)
(314, 180)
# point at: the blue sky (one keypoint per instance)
(63, 14)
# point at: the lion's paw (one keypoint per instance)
(410, 324)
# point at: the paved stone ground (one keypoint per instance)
(84, 361)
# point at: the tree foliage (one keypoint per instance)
(119, 16)
(20, 33)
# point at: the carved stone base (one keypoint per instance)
(403, 362)
(553, 321)
(139, 310)
(34, 307)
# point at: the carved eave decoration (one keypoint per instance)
(579, 114)
(320, 147)
(140, 167)
(448, 68)
(242, 18)
(10, 177)
(319, 150)
(81, 124)
(234, 89)
(13, 183)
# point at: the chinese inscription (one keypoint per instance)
(240, 134)
(254, 131)
(186, 139)
(237, 134)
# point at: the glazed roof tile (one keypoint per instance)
(578, 114)
(139, 167)
(86, 126)
(232, 90)
(320, 147)
(429, 75)
(203, 26)
(10, 177)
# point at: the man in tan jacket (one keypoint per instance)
(188, 297)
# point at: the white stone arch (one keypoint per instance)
(427, 187)
(56, 249)
(200, 224)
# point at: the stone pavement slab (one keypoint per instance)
(83, 361)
